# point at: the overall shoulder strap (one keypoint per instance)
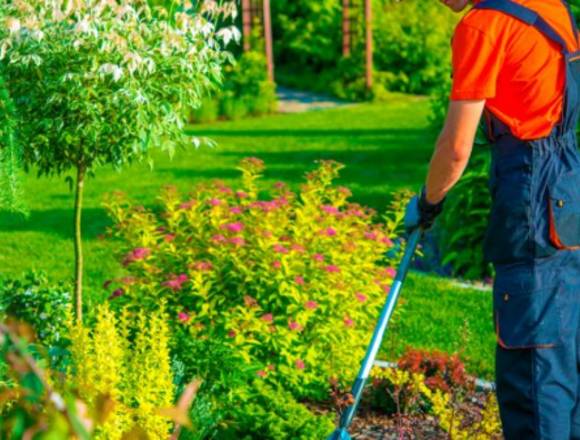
(572, 19)
(526, 15)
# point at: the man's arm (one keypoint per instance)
(453, 148)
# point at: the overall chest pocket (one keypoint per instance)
(564, 211)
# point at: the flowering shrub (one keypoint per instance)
(124, 363)
(293, 282)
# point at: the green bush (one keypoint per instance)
(412, 40)
(233, 108)
(307, 33)
(246, 91)
(32, 300)
(208, 111)
(269, 412)
(293, 282)
(463, 225)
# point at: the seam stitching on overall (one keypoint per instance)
(535, 399)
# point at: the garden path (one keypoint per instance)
(296, 101)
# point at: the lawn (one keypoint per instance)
(385, 147)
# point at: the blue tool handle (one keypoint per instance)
(380, 329)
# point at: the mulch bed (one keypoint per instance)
(372, 425)
(380, 427)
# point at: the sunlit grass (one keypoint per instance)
(385, 147)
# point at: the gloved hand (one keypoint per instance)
(420, 213)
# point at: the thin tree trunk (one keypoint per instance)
(268, 38)
(78, 299)
(369, 44)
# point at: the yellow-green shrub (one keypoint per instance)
(293, 282)
(124, 363)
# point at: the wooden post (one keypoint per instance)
(346, 37)
(369, 43)
(246, 24)
(268, 39)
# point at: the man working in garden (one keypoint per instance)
(517, 63)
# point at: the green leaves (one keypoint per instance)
(464, 220)
(105, 90)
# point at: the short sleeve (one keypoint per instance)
(476, 64)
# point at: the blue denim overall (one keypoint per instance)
(534, 231)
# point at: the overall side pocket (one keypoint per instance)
(524, 316)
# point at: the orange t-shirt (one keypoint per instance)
(513, 66)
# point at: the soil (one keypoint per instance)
(380, 427)
(370, 424)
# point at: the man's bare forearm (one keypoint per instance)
(447, 166)
(453, 148)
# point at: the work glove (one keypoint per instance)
(420, 213)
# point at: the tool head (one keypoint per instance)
(340, 434)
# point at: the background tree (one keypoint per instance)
(99, 82)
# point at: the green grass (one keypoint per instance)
(437, 314)
(385, 147)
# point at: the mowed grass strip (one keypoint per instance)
(385, 147)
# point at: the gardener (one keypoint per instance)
(517, 62)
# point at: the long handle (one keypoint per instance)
(380, 329)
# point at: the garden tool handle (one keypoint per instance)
(381, 327)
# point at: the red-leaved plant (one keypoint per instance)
(442, 371)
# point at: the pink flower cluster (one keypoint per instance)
(280, 249)
(176, 282)
(136, 254)
(331, 232)
(311, 305)
(203, 266)
(361, 297)
(187, 205)
(238, 241)
(234, 227)
(298, 248)
(329, 209)
(294, 326)
(183, 317)
(348, 322)
(331, 268)
(268, 317)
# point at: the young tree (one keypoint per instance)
(98, 82)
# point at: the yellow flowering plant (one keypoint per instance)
(121, 369)
(293, 282)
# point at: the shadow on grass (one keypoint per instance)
(56, 221)
(371, 173)
(401, 134)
